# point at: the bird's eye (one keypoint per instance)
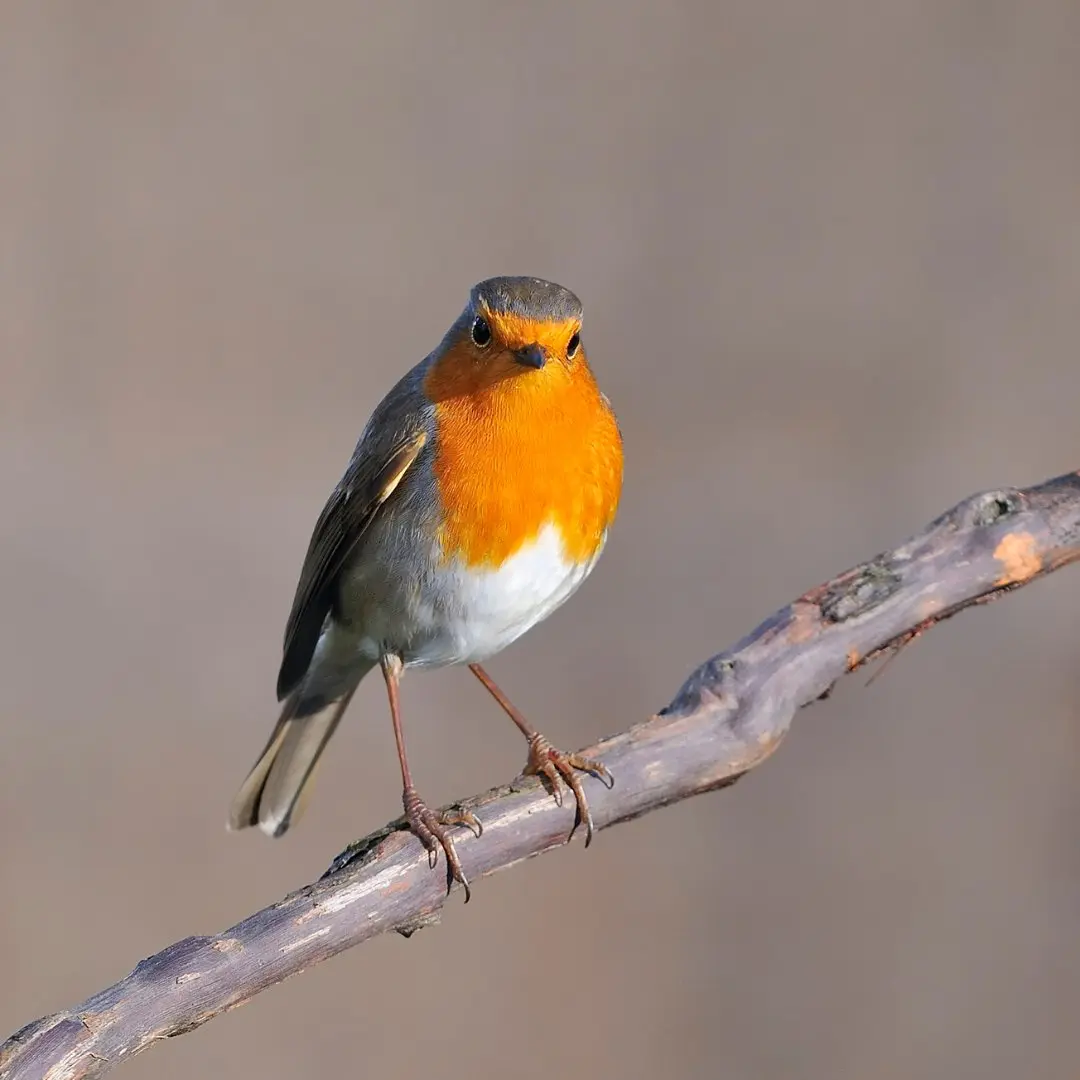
(481, 332)
(572, 346)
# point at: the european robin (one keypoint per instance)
(477, 500)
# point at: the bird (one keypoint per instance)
(478, 498)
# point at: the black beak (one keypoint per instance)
(531, 356)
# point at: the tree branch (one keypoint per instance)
(729, 716)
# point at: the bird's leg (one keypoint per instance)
(548, 762)
(430, 827)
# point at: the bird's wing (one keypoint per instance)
(376, 469)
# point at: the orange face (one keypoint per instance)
(524, 438)
(498, 346)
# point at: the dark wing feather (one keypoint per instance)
(368, 482)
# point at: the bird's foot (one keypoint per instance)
(431, 828)
(552, 764)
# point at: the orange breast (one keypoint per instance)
(519, 450)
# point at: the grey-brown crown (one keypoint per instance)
(528, 297)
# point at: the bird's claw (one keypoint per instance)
(431, 829)
(552, 764)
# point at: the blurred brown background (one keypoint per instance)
(830, 258)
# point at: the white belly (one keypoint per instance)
(471, 614)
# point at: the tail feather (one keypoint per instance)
(276, 790)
